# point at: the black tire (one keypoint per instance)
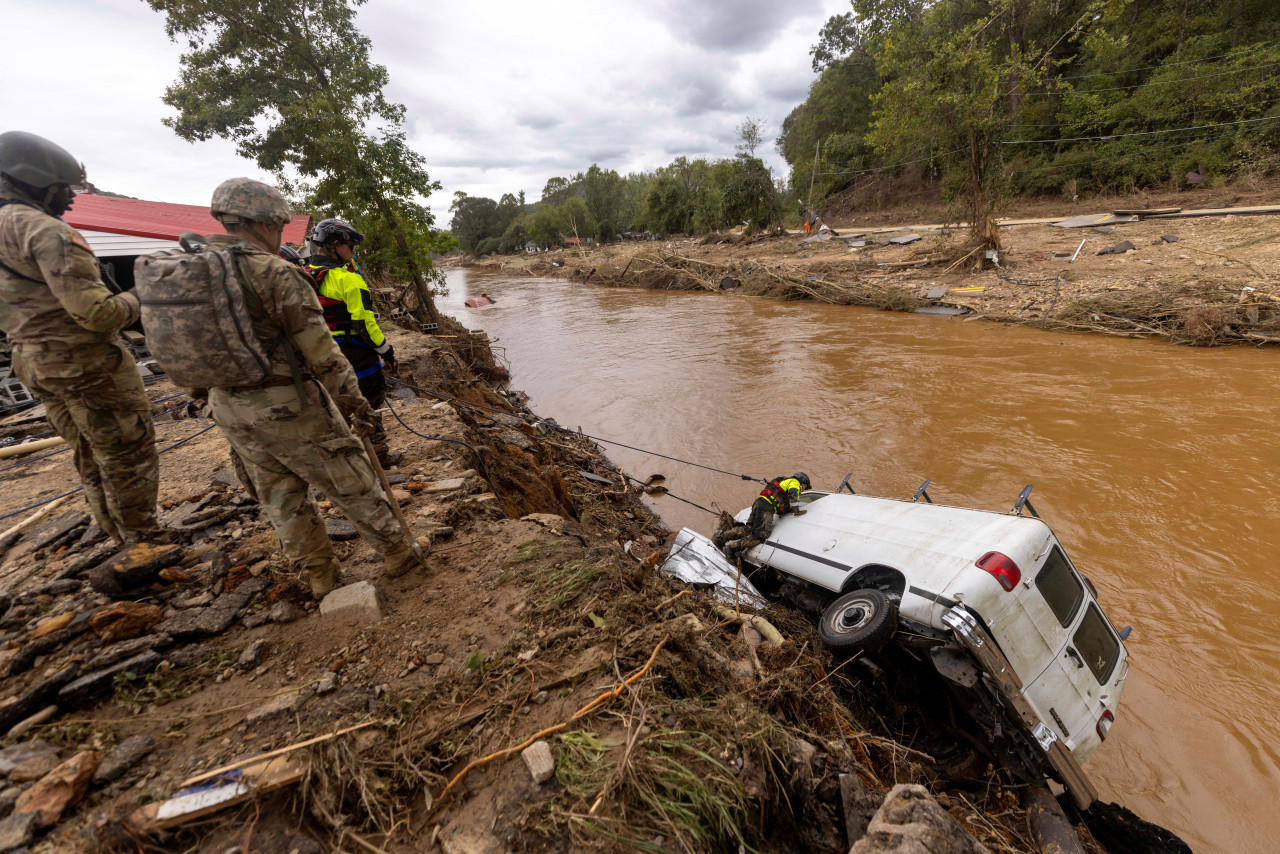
(861, 621)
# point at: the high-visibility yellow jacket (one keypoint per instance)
(781, 492)
(347, 304)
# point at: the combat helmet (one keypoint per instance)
(37, 162)
(244, 199)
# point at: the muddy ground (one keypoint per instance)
(1199, 281)
(542, 618)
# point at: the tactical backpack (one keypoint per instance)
(195, 311)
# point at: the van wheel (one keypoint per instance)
(861, 621)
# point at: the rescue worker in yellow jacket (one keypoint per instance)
(348, 309)
(776, 498)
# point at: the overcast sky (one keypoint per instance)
(500, 95)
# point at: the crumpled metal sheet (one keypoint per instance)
(695, 559)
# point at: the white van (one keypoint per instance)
(992, 598)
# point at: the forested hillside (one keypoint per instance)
(972, 101)
(1044, 96)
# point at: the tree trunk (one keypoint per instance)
(420, 285)
(983, 228)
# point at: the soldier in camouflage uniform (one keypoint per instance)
(287, 443)
(64, 324)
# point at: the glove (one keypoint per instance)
(198, 408)
(362, 422)
(389, 357)
(799, 512)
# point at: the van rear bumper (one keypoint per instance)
(973, 637)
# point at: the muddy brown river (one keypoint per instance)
(1156, 465)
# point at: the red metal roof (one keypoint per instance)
(155, 219)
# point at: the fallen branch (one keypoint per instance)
(585, 710)
(217, 772)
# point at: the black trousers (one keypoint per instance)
(373, 387)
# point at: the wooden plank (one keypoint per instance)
(1261, 210)
(1147, 212)
(233, 788)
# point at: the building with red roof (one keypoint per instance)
(119, 230)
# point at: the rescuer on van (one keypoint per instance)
(775, 499)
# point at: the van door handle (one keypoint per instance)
(1079, 661)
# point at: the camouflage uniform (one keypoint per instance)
(64, 324)
(286, 445)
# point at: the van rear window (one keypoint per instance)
(1096, 644)
(1059, 586)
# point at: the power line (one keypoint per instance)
(891, 165)
(1150, 82)
(1141, 133)
(1231, 55)
(1144, 149)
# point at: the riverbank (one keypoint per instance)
(543, 620)
(1200, 281)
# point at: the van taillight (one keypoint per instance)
(1002, 568)
(1104, 724)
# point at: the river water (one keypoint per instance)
(1156, 466)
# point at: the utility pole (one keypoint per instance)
(814, 173)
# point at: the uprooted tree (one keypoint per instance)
(292, 84)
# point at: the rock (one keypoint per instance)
(24, 726)
(303, 845)
(9, 797)
(400, 495)
(26, 657)
(60, 527)
(225, 477)
(34, 767)
(340, 529)
(125, 755)
(471, 840)
(88, 688)
(17, 830)
(92, 535)
(52, 624)
(59, 587)
(1169, 238)
(443, 532)
(197, 600)
(37, 697)
(276, 706)
(435, 658)
(62, 787)
(395, 479)
(359, 602)
(251, 657)
(190, 655)
(285, 612)
(127, 649)
(449, 485)
(538, 759)
(132, 568)
(402, 393)
(215, 619)
(327, 684)
(1119, 249)
(14, 755)
(910, 821)
(124, 620)
(858, 806)
(9, 541)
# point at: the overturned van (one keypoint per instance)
(991, 600)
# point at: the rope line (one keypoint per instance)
(483, 467)
(81, 488)
(525, 419)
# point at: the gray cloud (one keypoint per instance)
(499, 96)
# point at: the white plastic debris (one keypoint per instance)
(694, 559)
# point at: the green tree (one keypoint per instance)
(545, 226)
(750, 196)
(291, 82)
(750, 136)
(475, 218)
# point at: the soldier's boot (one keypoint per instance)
(400, 559)
(388, 458)
(323, 578)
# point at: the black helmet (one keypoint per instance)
(290, 254)
(329, 230)
(36, 161)
(803, 478)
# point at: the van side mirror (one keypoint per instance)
(1125, 632)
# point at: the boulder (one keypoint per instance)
(62, 787)
(127, 649)
(359, 602)
(14, 755)
(910, 821)
(125, 755)
(52, 624)
(88, 688)
(17, 830)
(37, 697)
(133, 568)
(125, 620)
